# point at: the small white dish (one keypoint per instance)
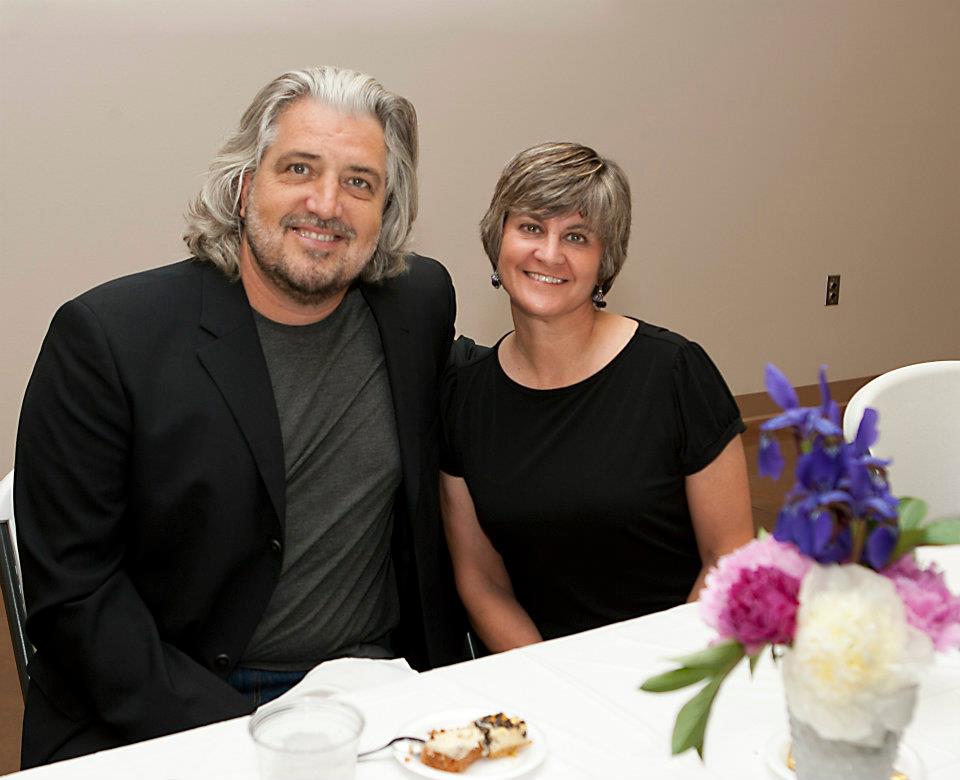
(504, 768)
(778, 747)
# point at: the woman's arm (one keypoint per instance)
(719, 500)
(482, 580)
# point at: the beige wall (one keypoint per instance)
(768, 144)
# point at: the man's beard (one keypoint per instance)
(328, 273)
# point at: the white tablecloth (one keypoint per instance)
(581, 692)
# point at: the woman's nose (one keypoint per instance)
(549, 250)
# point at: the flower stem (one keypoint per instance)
(858, 533)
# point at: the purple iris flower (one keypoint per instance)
(867, 432)
(879, 546)
(815, 533)
(837, 547)
(829, 410)
(791, 527)
(821, 468)
(824, 420)
(825, 399)
(779, 387)
(869, 492)
(822, 524)
(836, 482)
(769, 459)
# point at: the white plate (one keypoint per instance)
(517, 765)
(777, 747)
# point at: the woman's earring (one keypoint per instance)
(495, 280)
(598, 300)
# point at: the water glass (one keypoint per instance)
(310, 738)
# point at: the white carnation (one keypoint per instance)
(852, 672)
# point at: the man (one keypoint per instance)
(227, 467)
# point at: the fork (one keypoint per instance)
(395, 740)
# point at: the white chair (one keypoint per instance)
(919, 424)
(12, 583)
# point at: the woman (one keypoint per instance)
(593, 469)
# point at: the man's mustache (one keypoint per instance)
(309, 220)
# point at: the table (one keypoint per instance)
(581, 692)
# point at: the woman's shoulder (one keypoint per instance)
(658, 341)
(465, 353)
(659, 335)
(470, 373)
(467, 363)
(668, 348)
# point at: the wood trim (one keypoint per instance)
(755, 407)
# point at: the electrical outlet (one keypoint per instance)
(833, 290)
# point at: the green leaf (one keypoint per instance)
(714, 657)
(755, 659)
(908, 539)
(691, 725)
(912, 511)
(762, 533)
(943, 531)
(671, 681)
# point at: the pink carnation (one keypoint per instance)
(929, 605)
(751, 594)
(761, 608)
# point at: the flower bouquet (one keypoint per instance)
(836, 592)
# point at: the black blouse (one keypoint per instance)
(581, 488)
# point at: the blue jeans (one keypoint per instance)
(263, 685)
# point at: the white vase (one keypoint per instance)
(817, 758)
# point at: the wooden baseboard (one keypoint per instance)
(755, 407)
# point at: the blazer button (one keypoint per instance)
(275, 546)
(222, 661)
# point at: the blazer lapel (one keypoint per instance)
(401, 371)
(235, 362)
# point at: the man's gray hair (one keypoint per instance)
(214, 224)
(557, 178)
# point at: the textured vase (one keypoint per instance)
(817, 758)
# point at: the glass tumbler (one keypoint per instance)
(311, 738)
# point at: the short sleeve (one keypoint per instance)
(463, 352)
(707, 413)
(450, 461)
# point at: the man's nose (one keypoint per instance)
(324, 198)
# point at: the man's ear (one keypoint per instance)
(245, 183)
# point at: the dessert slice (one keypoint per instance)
(502, 735)
(453, 750)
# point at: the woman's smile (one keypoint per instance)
(544, 278)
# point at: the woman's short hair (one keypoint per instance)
(214, 224)
(557, 178)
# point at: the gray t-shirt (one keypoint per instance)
(337, 593)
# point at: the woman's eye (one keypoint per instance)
(529, 228)
(359, 183)
(299, 168)
(576, 238)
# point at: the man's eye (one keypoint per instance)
(299, 168)
(356, 181)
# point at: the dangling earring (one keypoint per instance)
(495, 280)
(598, 301)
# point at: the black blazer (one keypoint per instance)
(149, 494)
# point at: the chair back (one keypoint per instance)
(919, 408)
(12, 583)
